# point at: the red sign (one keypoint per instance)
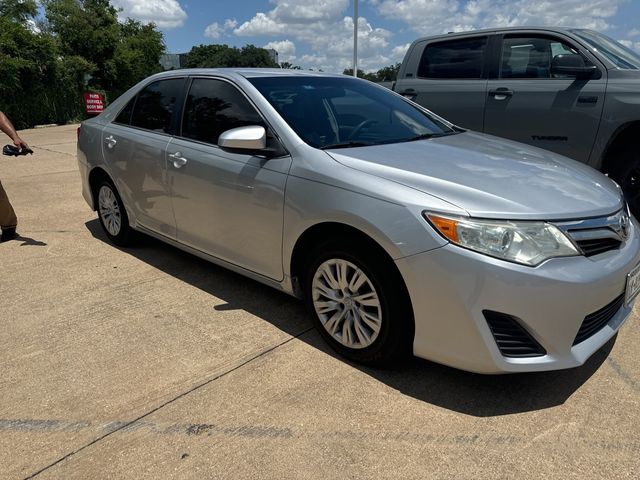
(93, 103)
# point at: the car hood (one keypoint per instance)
(490, 177)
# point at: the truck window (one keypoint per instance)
(454, 59)
(530, 57)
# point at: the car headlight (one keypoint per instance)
(527, 243)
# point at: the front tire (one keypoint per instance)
(112, 214)
(359, 303)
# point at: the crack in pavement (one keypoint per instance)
(47, 174)
(623, 374)
(123, 425)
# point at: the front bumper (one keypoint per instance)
(451, 286)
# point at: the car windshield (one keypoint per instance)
(620, 55)
(334, 112)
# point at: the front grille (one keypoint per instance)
(512, 339)
(597, 245)
(594, 236)
(594, 322)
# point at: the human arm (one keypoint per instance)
(7, 127)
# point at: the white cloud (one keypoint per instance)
(631, 44)
(634, 32)
(398, 53)
(213, 31)
(286, 50)
(323, 26)
(428, 17)
(164, 13)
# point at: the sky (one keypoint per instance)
(318, 34)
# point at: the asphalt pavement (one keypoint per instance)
(148, 362)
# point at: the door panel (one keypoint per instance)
(461, 102)
(230, 205)
(137, 162)
(450, 80)
(134, 147)
(531, 105)
(227, 204)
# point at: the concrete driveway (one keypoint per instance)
(150, 363)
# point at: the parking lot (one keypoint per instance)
(151, 363)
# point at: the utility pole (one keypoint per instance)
(355, 38)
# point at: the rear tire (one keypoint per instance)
(359, 303)
(112, 214)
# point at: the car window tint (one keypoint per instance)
(155, 105)
(124, 117)
(454, 59)
(213, 107)
(530, 57)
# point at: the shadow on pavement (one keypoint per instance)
(29, 242)
(464, 392)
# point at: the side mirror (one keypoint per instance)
(244, 138)
(572, 64)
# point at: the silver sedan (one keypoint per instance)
(402, 232)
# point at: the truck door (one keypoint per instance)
(448, 77)
(528, 103)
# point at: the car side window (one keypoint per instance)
(155, 105)
(213, 107)
(531, 57)
(454, 59)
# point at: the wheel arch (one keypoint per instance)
(321, 232)
(97, 175)
(329, 232)
(623, 137)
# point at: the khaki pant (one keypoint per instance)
(8, 217)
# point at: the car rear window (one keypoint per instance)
(155, 105)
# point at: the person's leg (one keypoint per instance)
(8, 219)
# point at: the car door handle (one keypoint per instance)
(110, 142)
(501, 93)
(409, 93)
(177, 159)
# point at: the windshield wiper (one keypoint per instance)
(424, 136)
(348, 144)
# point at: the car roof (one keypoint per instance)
(247, 72)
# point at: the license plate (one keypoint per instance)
(633, 285)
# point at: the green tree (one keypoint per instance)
(221, 56)
(289, 66)
(385, 74)
(20, 11)
(137, 55)
(388, 74)
(118, 54)
(361, 74)
(88, 29)
(30, 83)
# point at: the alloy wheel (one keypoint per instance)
(109, 210)
(346, 303)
